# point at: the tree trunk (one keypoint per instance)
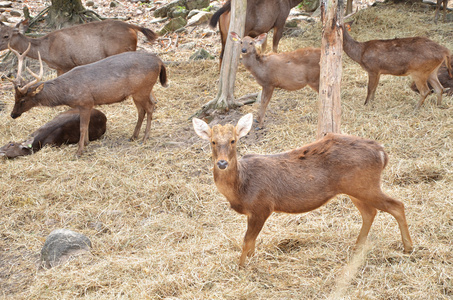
(64, 13)
(330, 78)
(230, 61)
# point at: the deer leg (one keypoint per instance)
(149, 114)
(368, 213)
(278, 32)
(141, 115)
(437, 86)
(84, 124)
(422, 86)
(373, 81)
(265, 98)
(254, 225)
(381, 201)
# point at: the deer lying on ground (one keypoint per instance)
(299, 180)
(107, 81)
(79, 45)
(63, 129)
(440, 3)
(289, 70)
(261, 16)
(418, 57)
(444, 79)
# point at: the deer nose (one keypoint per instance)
(15, 115)
(244, 50)
(222, 164)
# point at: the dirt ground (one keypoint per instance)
(161, 230)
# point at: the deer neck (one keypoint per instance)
(353, 48)
(20, 43)
(255, 64)
(228, 182)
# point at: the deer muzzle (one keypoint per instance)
(222, 164)
(15, 115)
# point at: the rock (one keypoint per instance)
(173, 25)
(187, 46)
(61, 245)
(6, 4)
(14, 20)
(15, 13)
(113, 4)
(200, 18)
(196, 4)
(162, 11)
(3, 18)
(200, 55)
(89, 3)
(178, 11)
(291, 23)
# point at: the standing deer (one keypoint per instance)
(444, 79)
(261, 16)
(79, 45)
(63, 129)
(299, 180)
(440, 3)
(289, 70)
(418, 57)
(107, 81)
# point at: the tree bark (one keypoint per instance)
(230, 61)
(65, 12)
(329, 117)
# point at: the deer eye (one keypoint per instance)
(232, 142)
(213, 142)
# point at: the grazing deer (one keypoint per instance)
(79, 45)
(438, 5)
(107, 81)
(299, 180)
(418, 57)
(63, 129)
(289, 70)
(261, 16)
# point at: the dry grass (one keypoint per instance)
(160, 229)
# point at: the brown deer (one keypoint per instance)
(444, 79)
(261, 16)
(418, 57)
(289, 70)
(79, 45)
(299, 180)
(107, 81)
(63, 129)
(440, 3)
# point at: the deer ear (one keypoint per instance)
(244, 125)
(260, 39)
(202, 129)
(235, 37)
(38, 89)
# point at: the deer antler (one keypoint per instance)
(20, 61)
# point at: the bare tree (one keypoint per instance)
(329, 117)
(230, 61)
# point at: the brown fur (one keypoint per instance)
(444, 79)
(418, 57)
(300, 180)
(261, 17)
(289, 70)
(63, 129)
(107, 81)
(79, 45)
(440, 3)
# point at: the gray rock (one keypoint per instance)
(163, 11)
(61, 245)
(113, 4)
(89, 3)
(200, 18)
(178, 11)
(173, 25)
(197, 4)
(201, 54)
(6, 4)
(15, 13)
(187, 46)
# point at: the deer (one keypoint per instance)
(107, 81)
(418, 57)
(444, 79)
(78, 45)
(299, 180)
(61, 130)
(440, 3)
(288, 70)
(261, 16)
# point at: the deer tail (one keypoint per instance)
(150, 35)
(163, 75)
(215, 17)
(448, 63)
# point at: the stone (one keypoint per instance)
(201, 54)
(291, 23)
(15, 13)
(197, 4)
(163, 11)
(61, 245)
(200, 18)
(6, 4)
(89, 3)
(178, 11)
(113, 4)
(172, 25)
(187, 46)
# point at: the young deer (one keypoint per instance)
(78, 45)
(63, 129)
(418, 57)
(289, 70)
(261, 16)
(300, 180)
(107, 81)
